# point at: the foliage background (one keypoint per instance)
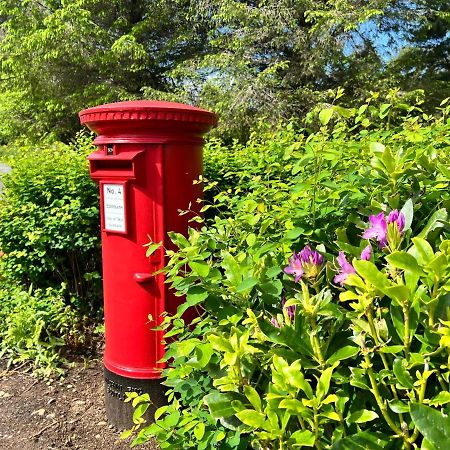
(243, 59)
(237, 381)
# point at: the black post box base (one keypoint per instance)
(119, 413)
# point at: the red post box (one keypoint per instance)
(149, 153)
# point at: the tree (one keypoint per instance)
(61, 56)
(424, 58)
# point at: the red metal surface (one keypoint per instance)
(154, 150)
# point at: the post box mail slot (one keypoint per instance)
(149, 155)
(122, 165)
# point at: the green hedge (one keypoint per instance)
(279, 363)
(49, 225)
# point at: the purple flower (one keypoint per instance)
(309, 256)
(295, 267)
(377, 229)
(345, 269)
(275, 323)
(307, 262)
(398, 218)
(289, 309)
(366, 254)
(380, 226)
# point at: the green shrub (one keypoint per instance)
(359, 365)
(35, 326)
(49, 225)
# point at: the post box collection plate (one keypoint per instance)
(113, 204)
(144, 181)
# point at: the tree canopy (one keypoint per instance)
(242, 58)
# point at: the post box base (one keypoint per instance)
(119, 413)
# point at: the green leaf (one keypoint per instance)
(424, 249)
(219, 404)
(398, 293)
(362, 416)
(294, 406)
(294, 233)
(325, 115)
(362, 441)
(408, 212)
(199, 431)
(343, 353)
(126, 434)
(433, 425)
(303, 438)
(441, 399)
(398, 406)
(392, 349)
(324, 383)
(200, 268)
(376, 147)
(247, 284)
(370, 273)
(253, 397)
(151, 248)
(195, 295)
(436, 221)
(405, 261)
(402, 375)
(251, 239)
(251, 418)
(438, 265)
(220, 343)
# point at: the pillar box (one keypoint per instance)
(149, 154)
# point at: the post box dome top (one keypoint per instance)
(147, 110)
(131, 120)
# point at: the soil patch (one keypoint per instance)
(58, 415)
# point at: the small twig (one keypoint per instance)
(35, 435)
(28, 387)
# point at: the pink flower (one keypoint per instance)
(346, 269)
(309, 256)
(275, 323)
(295, 267)
(289, 309)
(307, 262)
(379, 226)
(366, 254)
(377, 229)
(398, 218)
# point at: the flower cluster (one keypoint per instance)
(306, 263)
(385, 229)
(346, 268)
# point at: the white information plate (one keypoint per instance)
(114, 207)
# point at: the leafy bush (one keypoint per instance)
(50, 254)
(35, 325)
(315, 360)
(49, 227)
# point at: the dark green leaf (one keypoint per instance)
(402, 375)
(362, 441)
(434, 426)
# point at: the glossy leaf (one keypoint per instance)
(434, 426)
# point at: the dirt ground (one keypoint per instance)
(58, 415)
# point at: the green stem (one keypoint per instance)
(316, 343)
(317, 430)
(377, 341)
(441, 380)
(406, 335)
(433, 305)
(381, 404)
(342, 421)
(423, 388)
